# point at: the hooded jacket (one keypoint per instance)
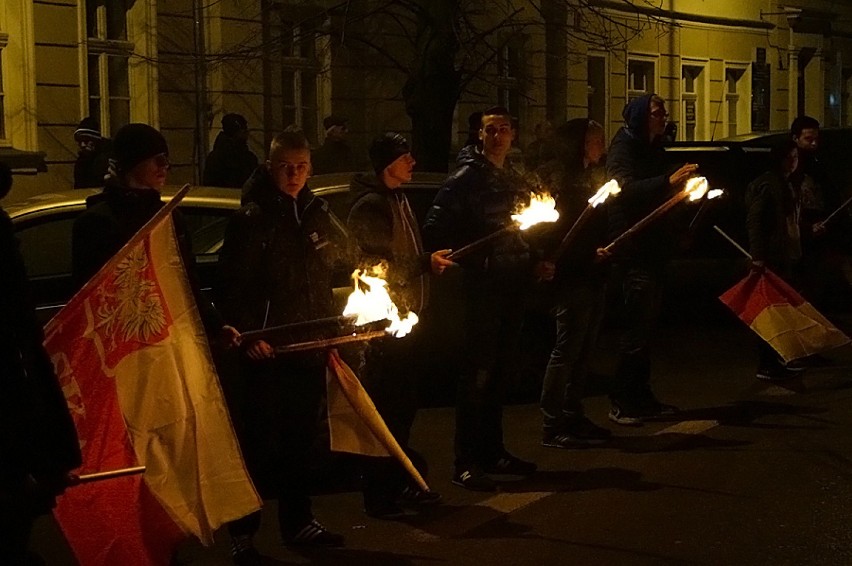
(111, 219)
(770, 204)
(230, 163)
(277, 261)
(384, 228)
(476, 200)
(638, 165)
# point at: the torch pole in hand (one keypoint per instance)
(264, 333)
(100, 476)
(477, 244)
(571, 235)
(662, 209)
(329, 342)
(839, 208)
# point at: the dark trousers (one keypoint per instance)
(390, 381)
(280, 418)
(579, 311)
(641, 297)
(494, 309)
(16, 522)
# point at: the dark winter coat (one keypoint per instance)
(769, 203)
(820, 197)
(91, 167)
(277, 261)
(230, 164)
(638, 165)
(476, 200)
(112, 218)
(384, 228)
(37, 436)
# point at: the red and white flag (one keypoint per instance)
(134, 362)
(781, 316)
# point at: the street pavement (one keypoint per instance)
(748, 473)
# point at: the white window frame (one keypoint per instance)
(304, 67)
(604, 56)
(103, 48)
(699, 96)
(742, 98)
(648, 86)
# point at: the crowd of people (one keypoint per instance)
(282, 247)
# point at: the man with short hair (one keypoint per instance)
(823, 245)
(636, 162)
(385, 230)
(276, 267)
(476, 200)
(231, 162)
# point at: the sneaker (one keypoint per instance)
(474, 480)
(313, 534)
(563, 440)
(384, 510)
(416, 496)
(584, 429)
(622, 416)
(778, 373)
(508, 465)
(243, 552)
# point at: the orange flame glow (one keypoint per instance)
(610, 188)
(696, 187)
(370, 302)
(542, 208)
(713, 193)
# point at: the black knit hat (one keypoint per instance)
(88, 128)
(134, 143)
(386, 149)
(233, 123)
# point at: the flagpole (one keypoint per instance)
(100, 476)
(262, 333)
(733, 242)
(841, 207)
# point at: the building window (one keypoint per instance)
(734, 100)
(3, 40)
(108, 54)
(692, 99)
(296, 83)
(596, 85)
(640, 78)
(508, 73)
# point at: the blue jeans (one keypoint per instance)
(642, 294)
(579, 313)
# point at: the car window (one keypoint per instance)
(46, 245)
(207, 230)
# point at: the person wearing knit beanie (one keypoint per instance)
(141, 155)
(386, 149)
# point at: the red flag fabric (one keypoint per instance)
(131, 354)
(782, 317)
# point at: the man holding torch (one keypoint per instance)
(385, 230)
(276, 268)
(477, 200)
(636, 162)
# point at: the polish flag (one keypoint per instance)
(781, 316)
(133, 360)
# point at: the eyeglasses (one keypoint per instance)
(162, 160)
(659, 114)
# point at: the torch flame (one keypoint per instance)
(696, 187)
(715, 193)
(542, 208)
(374, 304)
(610, 188)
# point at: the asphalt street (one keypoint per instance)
(748, 473)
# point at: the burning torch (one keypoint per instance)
(542, 208)
(611, 188)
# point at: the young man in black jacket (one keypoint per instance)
(476, 200)
(385, 230)
(276, 267)
(636, 162)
